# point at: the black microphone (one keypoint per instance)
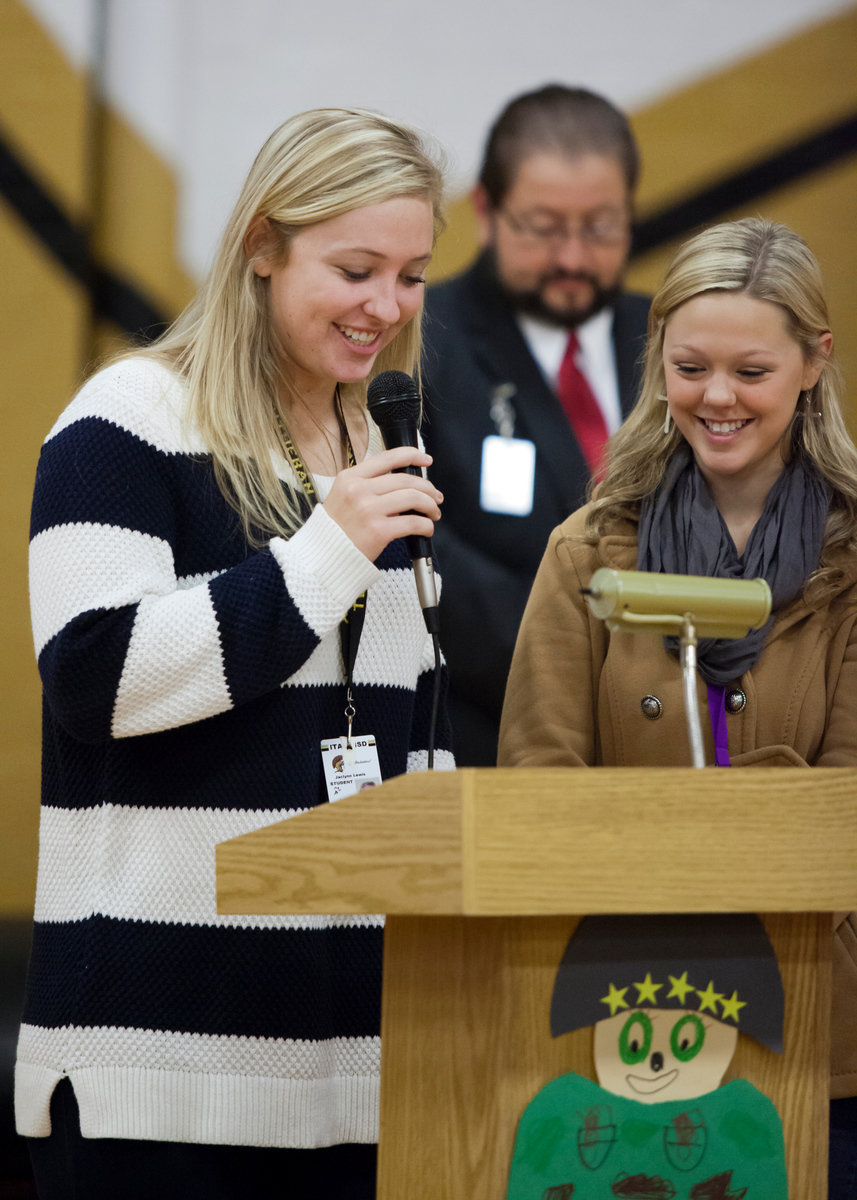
(394, 405)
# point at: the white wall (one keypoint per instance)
(205, 81)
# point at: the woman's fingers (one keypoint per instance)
(393, 460)
(374, 506)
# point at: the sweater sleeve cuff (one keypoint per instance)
(323, 570)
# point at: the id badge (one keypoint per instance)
(508, 475)
(349, 771)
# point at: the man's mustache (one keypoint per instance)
(561, 276)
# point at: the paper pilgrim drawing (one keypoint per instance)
(668, 997)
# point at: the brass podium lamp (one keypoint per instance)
(687, 606)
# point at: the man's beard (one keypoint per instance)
(532, 305)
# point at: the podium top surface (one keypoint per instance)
(492, 842)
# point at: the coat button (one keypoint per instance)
(652, 707)
(736, 701)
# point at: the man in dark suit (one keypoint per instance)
(516, 410)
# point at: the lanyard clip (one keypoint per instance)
(350, 710)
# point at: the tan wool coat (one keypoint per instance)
(575, 697)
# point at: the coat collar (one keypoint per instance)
(799, 610)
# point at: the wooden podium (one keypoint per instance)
(484, 873)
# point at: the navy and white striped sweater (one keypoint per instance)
(188, 681)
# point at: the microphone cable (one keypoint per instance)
(435, 701)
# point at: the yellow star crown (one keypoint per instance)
(680, 990)
(647, 990)
(680, 987)
(615, 998)
(709, 999)
(730, 1007)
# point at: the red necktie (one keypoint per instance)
(581, 408)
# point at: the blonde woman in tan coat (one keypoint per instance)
(735, 462)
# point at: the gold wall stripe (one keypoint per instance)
(44, 107)
(725, 121)
(136, 218)
(44, 317)
(458, 242)
(48, 123)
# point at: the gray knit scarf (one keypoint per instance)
(682, 532)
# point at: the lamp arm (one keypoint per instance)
(687, 644)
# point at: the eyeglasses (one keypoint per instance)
(608, 230)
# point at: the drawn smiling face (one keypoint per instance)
(655, 1054)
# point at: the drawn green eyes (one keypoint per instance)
(635, 1040)
(687, 1037)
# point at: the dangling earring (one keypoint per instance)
(668, 418)
(808, 403)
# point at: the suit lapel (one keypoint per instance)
(503, 355)
(629, 342)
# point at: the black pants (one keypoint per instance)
(842, 1180)
(67, 1166)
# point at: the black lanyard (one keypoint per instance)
(351, 625)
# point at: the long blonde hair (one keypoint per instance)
(770, 262)
(315, 166)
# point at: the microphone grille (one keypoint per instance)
(393, 396)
